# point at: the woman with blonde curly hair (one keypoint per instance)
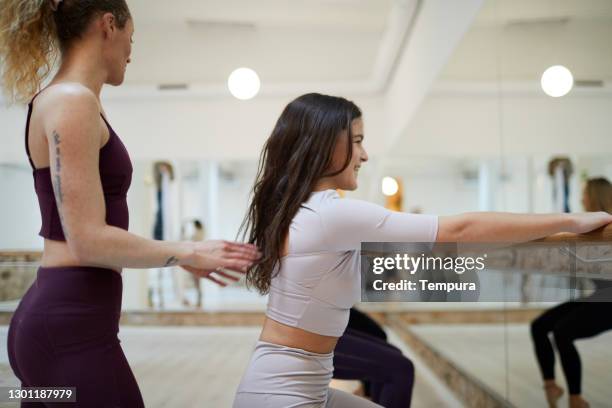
(64, 331)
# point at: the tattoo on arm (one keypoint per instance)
(57, 186)
(173, 260)
(56, 141)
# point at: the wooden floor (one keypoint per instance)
(480, 351)
(202, 366)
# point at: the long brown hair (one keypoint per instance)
(599, 194)
(32, 31)
(297, 154)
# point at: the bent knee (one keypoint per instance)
(563, 335)
(538, 328)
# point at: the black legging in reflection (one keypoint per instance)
(568, 322)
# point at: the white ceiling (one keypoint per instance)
(519, 11)
(201, 42)
(518, 39)
(487, 101)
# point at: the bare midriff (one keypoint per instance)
(57, 254)
(278, 333)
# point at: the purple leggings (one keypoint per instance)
(391, 375)
(64, 334)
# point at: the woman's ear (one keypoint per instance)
(108, 23)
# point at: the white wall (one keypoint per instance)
(180, 126)
(19, 213)
(477, 121)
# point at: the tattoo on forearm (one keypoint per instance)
(173, 260)
(56, 140)
(57, 187)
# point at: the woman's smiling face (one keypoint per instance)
(347, 179)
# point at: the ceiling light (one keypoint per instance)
(557, 81)
(243, 83)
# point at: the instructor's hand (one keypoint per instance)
(216, 256)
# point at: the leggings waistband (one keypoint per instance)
(264, 344)
(77, 288)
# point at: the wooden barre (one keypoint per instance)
(598, 235)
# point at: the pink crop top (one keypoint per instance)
(319, 279)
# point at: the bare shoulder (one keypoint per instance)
(71, 109)
(71, 96)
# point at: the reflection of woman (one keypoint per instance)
(363, 353)
(64, 331)
(574, 320)
(311, 238)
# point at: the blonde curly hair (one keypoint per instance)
(27, 46)
(33, 31)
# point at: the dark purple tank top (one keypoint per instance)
(115, 174)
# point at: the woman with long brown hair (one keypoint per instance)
(310, 239)
(574, 320)
(64, 331)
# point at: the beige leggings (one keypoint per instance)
(286, 377)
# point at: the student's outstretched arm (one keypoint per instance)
(509, 227)
(347, 222)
